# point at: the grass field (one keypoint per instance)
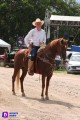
(60, 71)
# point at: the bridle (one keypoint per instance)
(63, 54)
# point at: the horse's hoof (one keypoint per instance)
(14, 93)
(42, 98)
(23, 95)
(46, 98)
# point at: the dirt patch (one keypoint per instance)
(64, 94)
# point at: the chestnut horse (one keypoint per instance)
(44, 63)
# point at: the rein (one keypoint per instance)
(47, 59)
(50, 58)
(51, 65)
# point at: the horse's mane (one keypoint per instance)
(49, 46)
(53, 43)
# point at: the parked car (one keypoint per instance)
(10, 57)
(58, 62)
(73, 64)
(3, 58)
(68, 55)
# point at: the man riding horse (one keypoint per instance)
(33, 40)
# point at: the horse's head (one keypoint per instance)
(56, 47)
(62, 47)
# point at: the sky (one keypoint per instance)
(78, 1)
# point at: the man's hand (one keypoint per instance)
(42, 44)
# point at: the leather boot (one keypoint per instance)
(30, 67)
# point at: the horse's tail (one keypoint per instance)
(17, 79)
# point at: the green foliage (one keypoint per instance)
(16, 16)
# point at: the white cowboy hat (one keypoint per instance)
(37, 21)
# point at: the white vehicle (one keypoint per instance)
(73, 64)
(57, 62)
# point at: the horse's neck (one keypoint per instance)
(50, 51)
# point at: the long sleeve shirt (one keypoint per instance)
(36, 37)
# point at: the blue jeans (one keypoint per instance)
(34, 52)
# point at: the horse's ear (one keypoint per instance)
(63, 41)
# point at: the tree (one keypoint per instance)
(16, 16)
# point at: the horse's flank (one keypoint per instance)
(20, 58)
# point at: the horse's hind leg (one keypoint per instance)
(43, 86)
(24, 72)
(13, 80)
(47, 86)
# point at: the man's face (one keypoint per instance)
(38, 24)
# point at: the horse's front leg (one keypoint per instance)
(43, 86)
(24, 72)
(47, 86)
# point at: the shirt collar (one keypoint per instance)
(37, 30)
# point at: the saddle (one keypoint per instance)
(39, 57)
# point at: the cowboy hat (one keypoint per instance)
(37, 21)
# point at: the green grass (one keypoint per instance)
(60, 71)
